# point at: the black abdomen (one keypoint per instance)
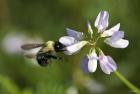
(43, 59)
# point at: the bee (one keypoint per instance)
(47, 51)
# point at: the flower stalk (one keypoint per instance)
(127, 83)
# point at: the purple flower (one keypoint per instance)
(115, 36)
(116, 40)
(73, 41)
(89, 63)
(107, 64)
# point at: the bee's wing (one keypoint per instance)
(31, 46)
(29, 55)
(32, 52)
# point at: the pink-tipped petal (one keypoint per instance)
(101, 21)
(107, 64)
(110, 32)
(77, 35)
(116, 36)
(67, 40)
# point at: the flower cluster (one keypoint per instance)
(75, 41)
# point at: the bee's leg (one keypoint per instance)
(56, 57)
(61, 58)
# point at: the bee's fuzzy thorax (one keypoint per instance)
(49, 46)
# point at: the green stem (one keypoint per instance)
(127, 83)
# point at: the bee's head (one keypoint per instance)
(59, 47)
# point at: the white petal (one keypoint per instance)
(67, 40)
(101, 21)
(110, 32)
(70, 53)
(115, 28)
(121, 43)
(75, 47)
(112, 64)
(92, 64)
(103, 64)
(104, 68)
(75, 34)
(116, 36)
(89, 28)
(107, 64)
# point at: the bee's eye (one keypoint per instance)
(59, 47)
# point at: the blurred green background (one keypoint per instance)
(37, 20)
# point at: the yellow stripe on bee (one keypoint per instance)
(49, 46)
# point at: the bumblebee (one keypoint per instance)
(46, 52)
